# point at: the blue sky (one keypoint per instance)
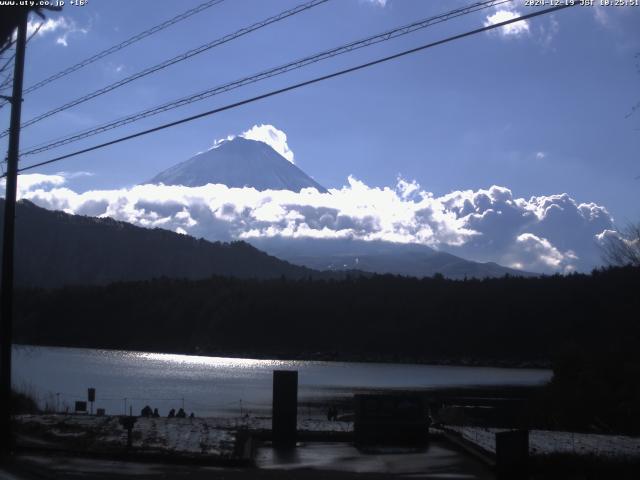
(540, 109)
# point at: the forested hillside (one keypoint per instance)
(55, 249)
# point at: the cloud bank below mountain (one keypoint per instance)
(545, 234)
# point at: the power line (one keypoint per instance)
(179, 58)
(121, 45)
(7, 46)
(266, 74)
(5, 83)
(374, 39)
(301, 84)
(7, 63)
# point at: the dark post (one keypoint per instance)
(285, 408)
(128, 423)
(91, 396)
(512, 454)
(6, 300)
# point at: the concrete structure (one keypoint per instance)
(284, 424)
(390, 419)
(512, 454)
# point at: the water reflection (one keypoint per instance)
(213, 386)
(218, 362)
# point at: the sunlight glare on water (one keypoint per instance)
(219, 362)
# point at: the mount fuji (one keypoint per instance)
(239, 163)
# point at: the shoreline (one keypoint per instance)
(322, 357)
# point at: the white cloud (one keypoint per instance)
(27, 183)
(513, 29)
(64, 25)
(62, 40)
(621, 24)
(601, 16)
(268, 134)
(47, 26)
(407, 189)
(77, 174)
(540, 155)
(378, 3)
(540, 255)
(544, 233)
(548, 32)
(626, 239)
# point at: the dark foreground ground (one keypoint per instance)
(81, 446)
(165, 449)
(312, 461)
(41, 467)
(75, 446)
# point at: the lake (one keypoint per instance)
(219, 386)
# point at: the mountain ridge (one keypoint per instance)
(380, 257)
(54, 249)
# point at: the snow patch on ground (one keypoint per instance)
(545, 442)
(210, 436)
(176, 435)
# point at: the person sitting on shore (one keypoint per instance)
(172, 413)
(330, 414)
(146, 412)
(155, 413)
(181, 414)
(192, 415)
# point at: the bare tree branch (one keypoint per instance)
(623, 248)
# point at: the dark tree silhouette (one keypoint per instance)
(623, 248)
(585, 325)
(10, 18)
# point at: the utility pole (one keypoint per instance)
(6, 300)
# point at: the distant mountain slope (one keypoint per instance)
(379, 257)
(239, 163)
(54, 249)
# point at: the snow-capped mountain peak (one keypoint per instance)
(239, 162)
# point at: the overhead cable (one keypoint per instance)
(172, 61)
(120, 46)
(279, 70)
(300, 85)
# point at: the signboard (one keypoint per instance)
(81, 406)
